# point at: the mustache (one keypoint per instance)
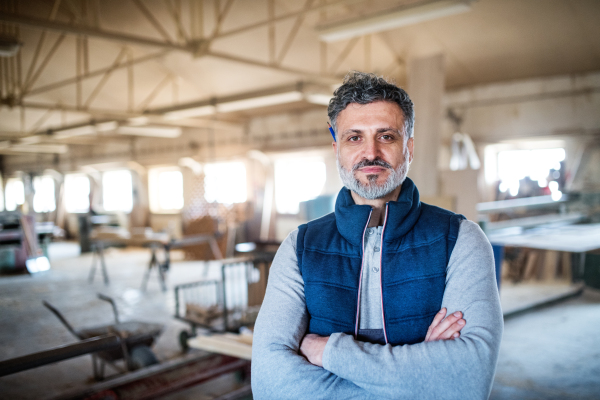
(377, 162)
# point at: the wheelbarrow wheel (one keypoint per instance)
(183, 340)
(141, 356)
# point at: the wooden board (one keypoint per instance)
(230, 344)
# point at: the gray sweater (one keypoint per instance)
(461, 368)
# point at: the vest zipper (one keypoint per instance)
(381, 272)
(362, 263)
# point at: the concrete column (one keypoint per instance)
(426, 88)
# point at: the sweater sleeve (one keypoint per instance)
(448, 369)
(278, 371)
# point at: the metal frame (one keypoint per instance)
(85, 22)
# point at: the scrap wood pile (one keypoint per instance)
(525, 264)
(203, 315)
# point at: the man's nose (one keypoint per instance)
(371, 149)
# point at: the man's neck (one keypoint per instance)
(378, 205)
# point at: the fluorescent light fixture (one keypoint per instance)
(77, 131)
(30, 140)
(138, 121)
(408, 15)
(39, 148)
(152, 131)
(190, 112)
(318, 98)
(83, 130)
(263, 101)
(290, 93)
(106, 126)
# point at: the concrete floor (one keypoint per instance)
(552, 353)
(26, 326)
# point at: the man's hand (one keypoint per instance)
(312, 347)
(444, 329)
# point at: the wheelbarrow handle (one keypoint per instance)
(112, 303)
(61, 317)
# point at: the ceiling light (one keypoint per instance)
(318, 98)
(152, 131)
(40, 148)
(190, 112)
(76, 131)
(89, 129)
(30, 139)
(106, 126)
(137, 121)
(407, 15)
(262, 101)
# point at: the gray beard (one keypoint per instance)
(372, 190)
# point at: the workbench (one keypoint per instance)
(578, 239)
(154, 242)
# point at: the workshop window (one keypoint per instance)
(297, 179)
(166, 190)
(15, 193)
(225, 182)
(117, 191)
(77, 193)
(541, 169)
(44, 196)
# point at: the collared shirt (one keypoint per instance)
(370, 293)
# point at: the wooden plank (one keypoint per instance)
(565, 266)
(530, 266)
(550, 265)
(226, 343)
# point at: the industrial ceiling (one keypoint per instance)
(71, 69)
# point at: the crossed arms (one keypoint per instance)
(463, 367)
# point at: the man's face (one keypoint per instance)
(373, 155)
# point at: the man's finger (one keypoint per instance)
(436, 320)
(438, 330)
(452, 330)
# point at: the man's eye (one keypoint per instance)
(353, 138)
(386, 137)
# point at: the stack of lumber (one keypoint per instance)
(230, 344)
(525, 264)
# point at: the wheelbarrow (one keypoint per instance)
(136, 339)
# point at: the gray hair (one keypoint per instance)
(364, 88)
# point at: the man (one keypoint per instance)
(352, 309)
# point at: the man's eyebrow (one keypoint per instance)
(351, 131)
(388, 129)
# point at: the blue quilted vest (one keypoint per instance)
(417, 242)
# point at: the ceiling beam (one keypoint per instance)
(191, 47)
(284, 17)
(124, 115)
(97, 72)
(309, 75)
(78, 29)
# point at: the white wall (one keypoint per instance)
(550, 108)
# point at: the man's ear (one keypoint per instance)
(334, 144)
(411, 147)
